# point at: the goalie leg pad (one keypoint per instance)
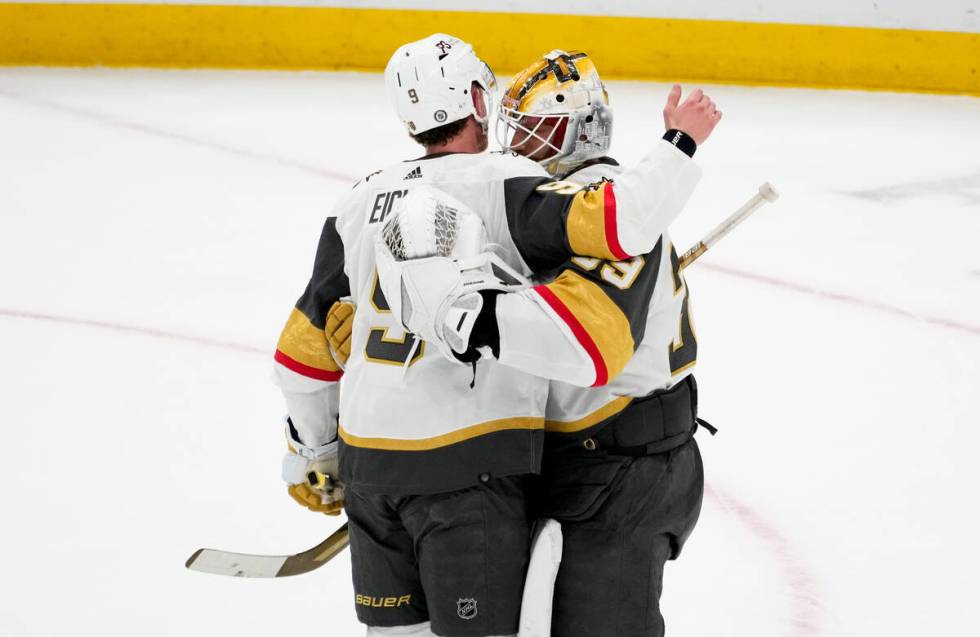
(417, 630)
(539, 585)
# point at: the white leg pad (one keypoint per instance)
(415, 630)
(539, 587)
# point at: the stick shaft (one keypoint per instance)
(765, 195)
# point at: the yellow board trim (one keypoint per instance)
(275, 37)
(426, 444)
(306, 343)
(608, 410)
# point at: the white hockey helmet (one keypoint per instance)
(556, 112)
(429, 82)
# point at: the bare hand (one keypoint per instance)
(697, 116)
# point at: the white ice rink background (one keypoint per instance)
(156, 227)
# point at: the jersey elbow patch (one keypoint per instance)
(303, 349)
(598, 324)
(592, 225)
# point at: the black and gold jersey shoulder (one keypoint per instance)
(599, 291)
(605, 304)
(551, 221)
(303, 344)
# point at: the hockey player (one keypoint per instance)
(432, 472)
(621, 471)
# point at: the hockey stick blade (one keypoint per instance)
(220, 562)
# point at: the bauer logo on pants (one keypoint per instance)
(466, 608)
(382, 602)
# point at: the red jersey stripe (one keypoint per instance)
(306, 370)
(601, 373)
(612, 232)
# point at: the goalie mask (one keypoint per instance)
(433, 259)
(556, 112)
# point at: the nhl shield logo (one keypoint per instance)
(466, 608)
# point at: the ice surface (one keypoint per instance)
(156, 227)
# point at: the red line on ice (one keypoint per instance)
(828, 295)
(115, 122)
(800, 581)
(134, 329)
(840, 297)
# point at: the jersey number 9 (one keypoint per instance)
(383, 348)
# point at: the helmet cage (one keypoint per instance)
(563, 88)
(510, 121)
(588, 133)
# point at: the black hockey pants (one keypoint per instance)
(623, 515)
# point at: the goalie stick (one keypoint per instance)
(246, 565)
(766, 194)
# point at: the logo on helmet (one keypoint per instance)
(444, 48)
(466, 608)
(441, 116)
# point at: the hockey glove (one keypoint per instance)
(311, 474)
(439, 298)
(434, 258)
(340, 323)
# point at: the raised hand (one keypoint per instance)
(697, 115)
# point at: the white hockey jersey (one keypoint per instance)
(665, 355)
(418, 426)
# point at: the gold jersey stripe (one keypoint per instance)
(586, 225)
(526, 423)
(599, 315)
(306, 343)
(608, 410)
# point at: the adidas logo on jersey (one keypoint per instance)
(415, 174)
